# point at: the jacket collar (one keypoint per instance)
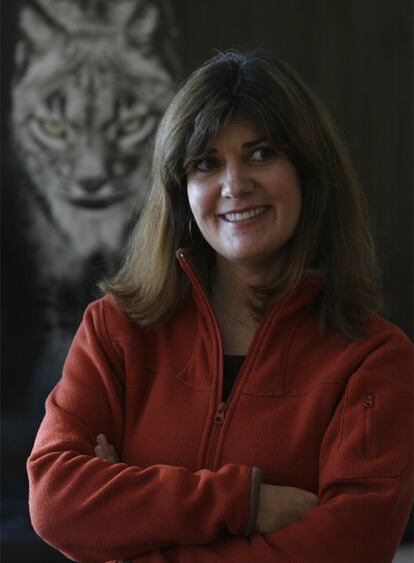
(302, 296)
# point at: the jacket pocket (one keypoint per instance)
(375, 437)
(368, 414)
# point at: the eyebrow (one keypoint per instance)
(247, 145)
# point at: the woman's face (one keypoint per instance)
(246, 199)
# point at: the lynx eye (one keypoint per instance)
(53, 127)
(130, 125)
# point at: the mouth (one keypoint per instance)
(246, 215)
(95, 203)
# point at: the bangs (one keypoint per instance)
(214, 117)
(205, 127)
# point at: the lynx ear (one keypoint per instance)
(151, 28)
(143, 26)
(37, 32)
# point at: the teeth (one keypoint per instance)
(234, 217)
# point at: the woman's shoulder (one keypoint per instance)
(383, 347)
(390, 351)
(108, 317)
(379, 328)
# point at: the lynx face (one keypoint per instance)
(89, 89)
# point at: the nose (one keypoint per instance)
(92, 185)
(236, 182)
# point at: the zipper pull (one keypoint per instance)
(369, 401)
(219, 415)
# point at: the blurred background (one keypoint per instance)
(84, 83)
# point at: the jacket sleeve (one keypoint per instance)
(366, 479)
(93, 510)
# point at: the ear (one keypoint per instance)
(152, 29)
(143, 26)
(38, 32)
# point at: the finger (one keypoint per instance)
(105, 449)
(105, 454)
(102, 453)
(110, 454)
(101, 439)
(103, 443)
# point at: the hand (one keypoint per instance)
(281, 506)
(105, 450)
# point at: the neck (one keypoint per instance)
(231, 290)
(236, 280)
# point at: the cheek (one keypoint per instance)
(192, 196)
(199, 199)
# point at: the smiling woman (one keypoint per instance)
(235, 396)
(290, 129)
(245, 199)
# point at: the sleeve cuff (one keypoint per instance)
(254, 500)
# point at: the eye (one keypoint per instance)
(264, 153)
(53, 127)
(130, 125)
(205, 164)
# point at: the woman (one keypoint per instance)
(259, 406)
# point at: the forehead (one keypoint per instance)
(235, 133)
(236, 129)
(212, 127)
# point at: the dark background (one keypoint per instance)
(357, 56)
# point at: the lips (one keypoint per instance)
(237, 216)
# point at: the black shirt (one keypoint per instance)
(231, 367)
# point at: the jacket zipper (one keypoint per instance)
(368, 404)
(218, 420)
(219, 412)
(219, 415)
(221, 406)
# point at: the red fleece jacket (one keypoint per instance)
(329, 415)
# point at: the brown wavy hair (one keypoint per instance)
(333, 233)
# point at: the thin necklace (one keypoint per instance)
(226, 310)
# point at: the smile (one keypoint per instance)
(243, 216)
